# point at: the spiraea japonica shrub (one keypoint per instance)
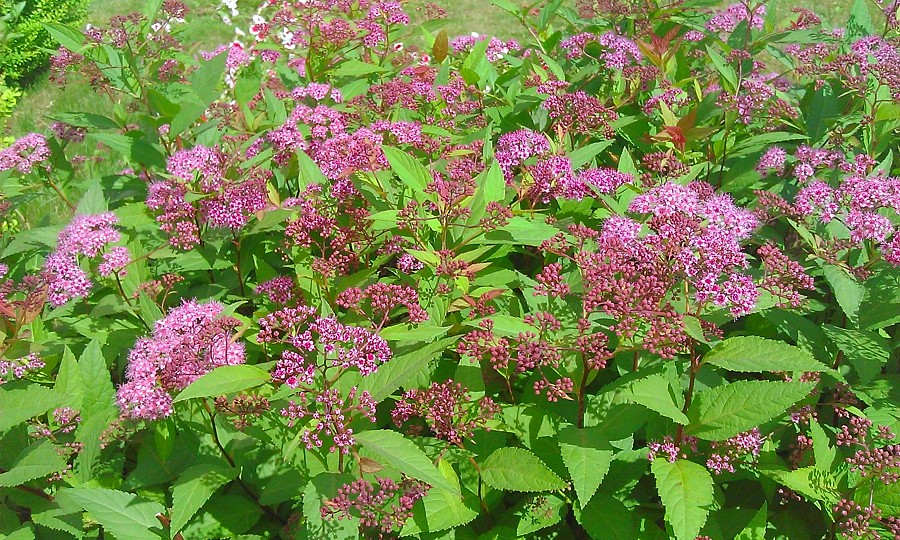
(634, 276)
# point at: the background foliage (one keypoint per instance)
(633, 275)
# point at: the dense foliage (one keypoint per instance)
(637, 276)
(25, 44)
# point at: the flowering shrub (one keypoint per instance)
(636, 276)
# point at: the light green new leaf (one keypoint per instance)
(224, 380)
(125, 515)
(753, 354)
(654, 393)
(724, 411)
(401, 453)
(23, 404)
(587, 456)
(517, 469)
(686, 491)
(37, 461)
(193, 488)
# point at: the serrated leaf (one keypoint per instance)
(847, 291)
(686, 491)
(654, 393)
(401, 369)
(37, 461)
(811, 482)
(538, 512)
(69, 384)
(224, 380)
(880, 306)
(756, 529)
(517, 469)
(401, 453)
(124, 515)
(606, 518)
(866, 351)
(753, 354)
(408, 169)
(439, 509)
(99, 394)
(587, 456)
(22, 404)
(724, 411)
(193, 488)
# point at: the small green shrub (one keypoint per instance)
(24, 42)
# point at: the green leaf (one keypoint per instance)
(517, 469)
(686, 491)
(401, 369)
(753, 354)
(68, 37)
(860, 22)
(403, 454)
(722, 412)
(99, 394)
(37, 461)
(756, 529)
(880, 306)
(520, 231)
(824, 453)
(866, 351)
(538, 512)
(193, 488)
(811, 482)
(439, 509)
(847, 291)
(606, 518)
(587, 456)
(725, 70)
(23, 404)
(69, 384)
(655, 393)
(412, 173)
(125, 515)
(403, 332)
(224, 380)
(885, 496)
(356, 68)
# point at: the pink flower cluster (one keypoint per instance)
(742, 446)
(330, 417)
(726, 20)
(496, 48)
(25, 153)
(224, 203)
(383, 298)
(20, 367)
(616, 51)
(87, 235)
(447, 410)
(192, 340)
(378, 513)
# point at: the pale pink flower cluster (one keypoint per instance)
(87, 235)
(192, 340)
(25, 153)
